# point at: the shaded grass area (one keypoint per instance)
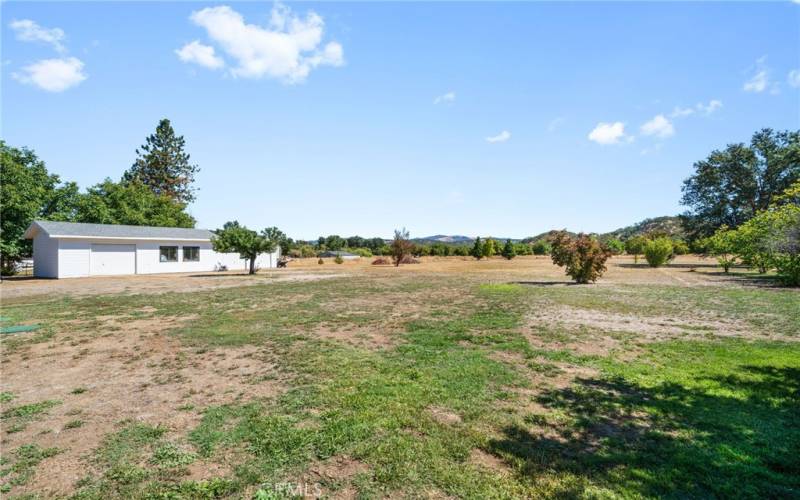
(687, 419)
(679, 419)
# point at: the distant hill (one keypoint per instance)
(443, 238)
(456, 239)
(669, 225)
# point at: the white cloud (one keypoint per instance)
(53, 75)
(608, 133)
(679, 112)
(29, 31)
(760, 82)
(501, 137)
(794, 75)
(447, 98)
(707, 109)
(287, 49)
(659, 126)
(196, 52)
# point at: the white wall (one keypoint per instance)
(74, 256)
(45, 249)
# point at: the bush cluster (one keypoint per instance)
(583, 257)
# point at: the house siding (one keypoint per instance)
(71, 258)
(47, 248)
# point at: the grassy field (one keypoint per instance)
(448, 379)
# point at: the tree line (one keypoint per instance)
(154, 191)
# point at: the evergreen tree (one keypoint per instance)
(509, 252)
(163, 165)
(477, 249)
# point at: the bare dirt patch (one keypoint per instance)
(125, 370)
(488, 461)
(15, 289)
(444, 416)
(645, 327)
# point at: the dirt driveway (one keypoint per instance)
(154, 283)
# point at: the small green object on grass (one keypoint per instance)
(19, 328)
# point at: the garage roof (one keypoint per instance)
(115, 231)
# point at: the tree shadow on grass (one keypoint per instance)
(544, 283)
(741, 439)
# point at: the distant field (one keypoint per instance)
(450, 378)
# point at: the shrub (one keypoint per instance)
(320, 261)
(522, 249)
(658, 251)
(583, 258)
(338, 259)
(509, 252)
(489, 249)
(307, 251)
(461, 250)
(616, 246)
(679, 247)
(721, 245)
(772, 239)
(409, 259)
(361, 251)
(635, 246)
(381, 261)
(541, 247)
(401, 246)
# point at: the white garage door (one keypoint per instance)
(113, 259)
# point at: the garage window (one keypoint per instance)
(191, 254)
(168, 254)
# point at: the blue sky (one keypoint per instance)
(355, 118)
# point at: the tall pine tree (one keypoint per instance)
(163, 165)
(509, 252)
(477, 249)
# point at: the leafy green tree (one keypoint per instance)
(130, 203)
(334, 242)
(635, 246)
(477, 249)
(509, 252)
(615, 245)
(234, 237)
(679, 247)
(541, 247)
(583, 257)
(771, 239)
(784, 240)
(722, 245)
(163, 165)
(658, 251)
(28, 192)
(522, 249)
(461, 250)
(752, 243)
(733, 185)
(278, 237)
(489, 249)
(401, 246)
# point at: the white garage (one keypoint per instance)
(109, 259)
(68, 250)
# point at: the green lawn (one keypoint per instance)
(465, 373)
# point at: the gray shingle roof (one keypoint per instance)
(79, 229)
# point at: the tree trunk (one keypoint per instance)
(252, 265)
